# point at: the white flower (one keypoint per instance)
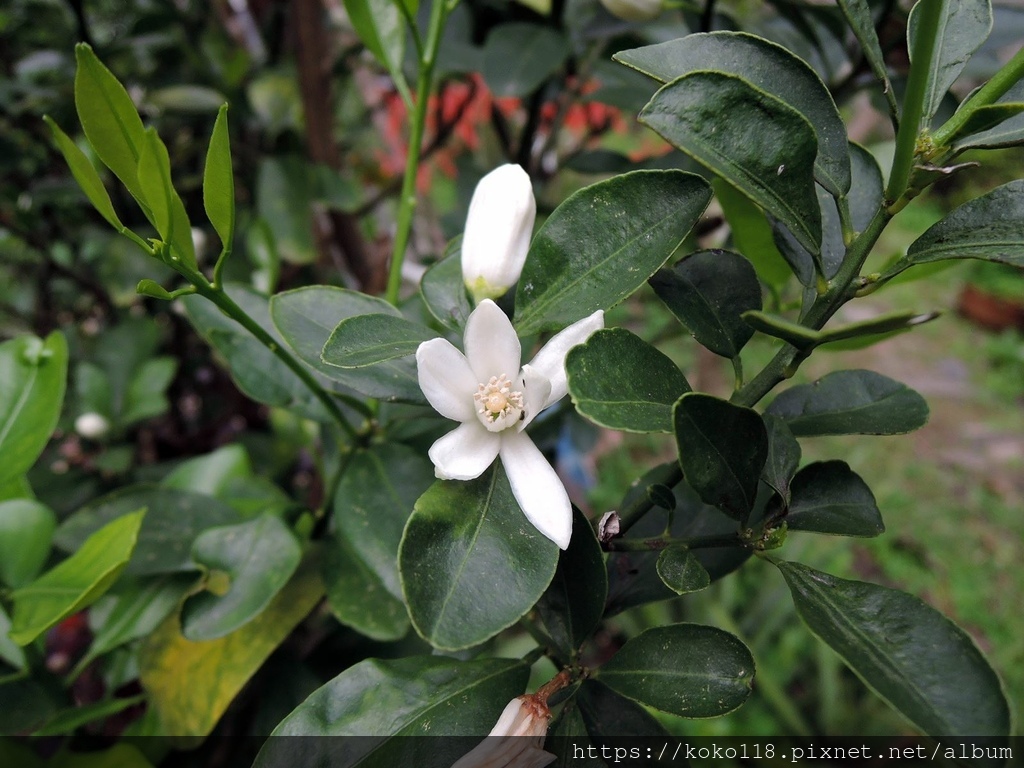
(525, 716)
(92, 425)
(495, 400)
(633, 10)
(499, 226)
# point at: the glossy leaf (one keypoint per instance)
(471, 563)
(85, 174)
(190, 685)
(708, 292)
(259, 556)
(573, 603)
(134, 609)
(443, 290)
(783, 456)
(77, 582)
(219, 182)
(767, 66)
(851, 403)
(306, 317)
(754, 141)
(681, 571)
(26, 529)
(1007, 133)
(722, 449)
(519, 57)
(636, 394)
(922, 664)
(211, 473)
(684, 669)
(169, 214)
(858, 15)
(990, 227)
(607, 714)
(829, 497)
(631, 225)
(33, 374)
(374, 500)
(752, 234)
(364, 340)
(173, 520)
(379, 25)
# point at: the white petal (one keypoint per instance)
(492, 346)
(446, 379)
(536, 486)
(550, 361)
(536, 390)
(465, 452)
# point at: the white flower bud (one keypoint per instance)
(524, 716)
(633, 10)
(499, 227)
(92, 426)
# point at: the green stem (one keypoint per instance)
(989, 93)
(407, 200)
(643, 504)
(914, 98)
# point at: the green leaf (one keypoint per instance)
(754, 141)
(767, 66)
(284, 199)
(964, 25)
(722, 449)
(443, 290)
(134, 608)
(783, 456)
(606, 715)
(422, 695)
(985, 118)
(519, 57)
(68, 720)
(918, 661)
(1007, 133)
(681, 571)
(33, 374)
(708, 292)
(867, 332)
(636, 394)
(85, 174)
(799, 336)
(603, 242)
(752, 234)
(26, 705)
(471, 563)
(573, 603)
(219, 181)
(153, 289)
(109, 119)
(990, 227)
(77, 582)
(375, 498)
(306, 317)
(684, 669)
(210, 474)
(364, 340)
(259, 556)
(829, 497)
(851, 403)
(858, 16)
(10, 651)
(169, 214)
(146, 395)
(380, 26)
(26, 529)
(173, 520)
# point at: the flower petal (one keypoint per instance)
(550, 361)
(492, 346)
(465, 452)
(446, 379)
(536, 390)
(536, 486)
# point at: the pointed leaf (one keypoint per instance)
(26, 529)
(684, 669)
(1007, 133)
(851, 403)
(134, 609)
(169, 215)
(754, 141)
(922, 664)
(379, 25)
(783, 456)
(443, 290)
(219, 181)
(636, 394)
(607, 714)
(85, 174)
(681, 571)
(858, 15)
(603, 242)
(365, 340)
(471, 563)
(722, 449)
(829, 497)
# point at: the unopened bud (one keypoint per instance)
(92, 426)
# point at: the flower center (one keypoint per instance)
(498, 405)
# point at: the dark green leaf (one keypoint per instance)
(922, 664)
(169, 214)
(709, 291)
(985, 118)
(752, 234)
(357, 595)
(77, 582)
(443, 290)
(26, 705)
(146, 395)
(284, 199)
(379, 25)
(33, 374)
(173, 520)
(68, 720)
(85, 174)
(783, 456)
(722, 449)
(603, 242)
(210, 474)
(800, 336)
(10, 651)
(829, 497)
(470, 561)
(685, 669)
(364, 340)
(767, 66)
(858, 15)
(1008, 133)
(867, 332)
(607, 714)
(219, 181)
(134, 609)
(681, 571)
(26, 528)
(636, 394)
(259, 556)
(754, 141)
(574, 602)
(851, 403)
(519, 57)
